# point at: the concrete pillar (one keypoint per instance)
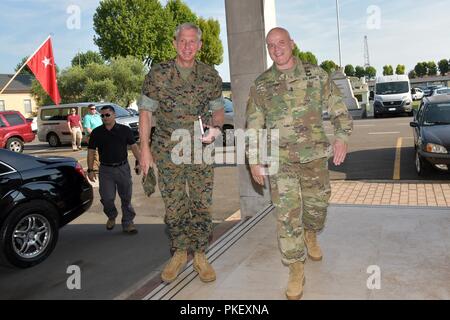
(247, 24)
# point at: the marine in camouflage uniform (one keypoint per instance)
(292, 101)
(177, 103)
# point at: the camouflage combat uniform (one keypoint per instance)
(292, 102)
(176, 103)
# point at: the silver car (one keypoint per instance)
(52, 121)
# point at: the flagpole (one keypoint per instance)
(23, 66)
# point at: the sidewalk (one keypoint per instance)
(409, 245)
(397, 194)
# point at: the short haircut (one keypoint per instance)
(91, 105)
(110, 108)
(186, 26)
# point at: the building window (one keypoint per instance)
(27, 105)
(2, 105)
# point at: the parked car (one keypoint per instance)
(431, 127)
(15, 130)
(133, 112)
(37, 197)
(392, 95)
(52, 121)
(417, 94)
(428, 91)
(33, 122)
(439, 91)
(228, 125)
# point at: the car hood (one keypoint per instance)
(127, 120)
(437, 134)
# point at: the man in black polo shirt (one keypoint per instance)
(112, 140)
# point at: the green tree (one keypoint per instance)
(212, 50)
(360, 72)
(388, 70)
(140, 28)
(180, 12)
(329, 66)
(72, 83)
(401, 69)
(128, 75)
(349, 70)
(40, 96)
(306, 57)
(412, 74)
(118, 81)
(82, 59)
(421, 69)
(370, 72)
(443, 66)
(432, 68)
(25, 70)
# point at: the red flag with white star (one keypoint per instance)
(42, 64)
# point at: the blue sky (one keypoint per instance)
(408, 31)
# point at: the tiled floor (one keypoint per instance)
(398, 194)
(409, 246)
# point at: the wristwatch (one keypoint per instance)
(90, 170)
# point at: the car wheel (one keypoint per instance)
(15, 145)
(421, 166)
(29, 234)
(53, 140)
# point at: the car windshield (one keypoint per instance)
(120, 112)
(443, 91)
(392, 87)
(437, 114)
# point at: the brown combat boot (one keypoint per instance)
(312, 245)
(203, 268)
(296, 281)
(175, 265)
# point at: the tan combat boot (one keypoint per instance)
(296, 281)
(175, 265)
(312, 245)
(203, 268)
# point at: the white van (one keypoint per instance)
(392, 95)
(52, 121)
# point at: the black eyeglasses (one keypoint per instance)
(105, 115)
(92, 109)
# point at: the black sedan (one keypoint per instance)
(432, 134)
(37, 197)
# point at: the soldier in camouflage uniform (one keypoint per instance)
(178, 92)
(290, 97)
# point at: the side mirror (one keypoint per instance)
(413, 124)
(371, 95)
(413, 91)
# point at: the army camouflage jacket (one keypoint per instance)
(176, 102)
(293, 102)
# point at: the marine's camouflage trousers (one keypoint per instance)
(300, 194)
(187, 212)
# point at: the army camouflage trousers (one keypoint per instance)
(300, 194)
(187, 209)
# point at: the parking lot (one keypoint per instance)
(380, 151)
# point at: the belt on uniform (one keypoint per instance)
(118, 164)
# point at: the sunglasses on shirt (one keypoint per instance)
(105, 115)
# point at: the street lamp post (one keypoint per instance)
(339, 33)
